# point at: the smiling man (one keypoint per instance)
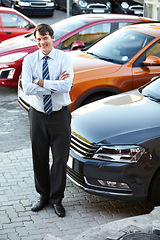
(47, 76)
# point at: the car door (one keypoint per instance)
(13, 25)
(143, 74)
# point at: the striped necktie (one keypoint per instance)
(47, 100)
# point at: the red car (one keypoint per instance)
(13, 23)
(71, 33)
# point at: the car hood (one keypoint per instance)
(84, 63)
(128, 118)
(16, 44)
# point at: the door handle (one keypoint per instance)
(7, 32)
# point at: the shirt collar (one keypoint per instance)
(50, 55)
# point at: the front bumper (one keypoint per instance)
(135, 10)
(86, 173)
(23, 99)
(35, 10)
(9, 75)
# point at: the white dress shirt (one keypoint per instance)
(58, 62)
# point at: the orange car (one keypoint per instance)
(124, 60)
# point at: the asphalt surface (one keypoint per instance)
(84, 212)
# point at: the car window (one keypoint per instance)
(66, 26)
(154, 50)
(94, 33)
(10, 20)
(120, 46)
(88, 35)
(122, 24)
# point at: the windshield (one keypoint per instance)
(63, 27)
(151, 90)
(120, 46)
(66, 26)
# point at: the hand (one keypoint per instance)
(39, 82)
(63, 75)
(35, 80)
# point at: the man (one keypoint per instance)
(47, 76)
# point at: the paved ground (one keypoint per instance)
(17, 193)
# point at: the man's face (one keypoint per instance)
(44, 43)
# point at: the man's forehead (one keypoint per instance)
(42, 35)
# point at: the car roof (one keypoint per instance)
(113, 16)
(152, 28)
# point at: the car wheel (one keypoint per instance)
(154, 191)
(75, 10)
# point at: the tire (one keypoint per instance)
(75, 10)
(51, 15)
(154, 190)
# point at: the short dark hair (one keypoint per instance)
(43, 29)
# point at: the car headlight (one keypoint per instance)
(125, 5)
(12, 57)
(120, 153)
(83, 3)
(24, 4)
(50, 4)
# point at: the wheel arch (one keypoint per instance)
(108, 91)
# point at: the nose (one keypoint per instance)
(42, 41)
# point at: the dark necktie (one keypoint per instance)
(47, 100)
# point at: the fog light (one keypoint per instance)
(113, 184)
(11, 72)
(7, 73)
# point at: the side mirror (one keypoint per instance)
(30, 25)
(152, 61)
(77, 45)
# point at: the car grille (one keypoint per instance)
(97, 6)
(136, 9)
(38, 4)
(75, 176)
(81, 147)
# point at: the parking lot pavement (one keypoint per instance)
(17, 192)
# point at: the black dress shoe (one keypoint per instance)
(39, 205)
(59, 209)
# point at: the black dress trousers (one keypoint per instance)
(50, 132)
